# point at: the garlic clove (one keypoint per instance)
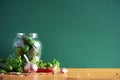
(33, 67)
(64, 70)
(26, 68)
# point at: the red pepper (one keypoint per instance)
(45, 70)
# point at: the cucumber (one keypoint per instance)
(3, 71)
(6, 67)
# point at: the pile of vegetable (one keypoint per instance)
(11, 64)
(18, 64)
(27, 51)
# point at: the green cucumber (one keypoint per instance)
(3, 71)
(6, 67)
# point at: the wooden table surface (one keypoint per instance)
(72, 74)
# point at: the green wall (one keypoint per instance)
(79, 33)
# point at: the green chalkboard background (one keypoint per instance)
(79, 33)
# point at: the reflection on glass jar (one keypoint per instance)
(28, 44)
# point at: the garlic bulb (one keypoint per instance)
(30, 67)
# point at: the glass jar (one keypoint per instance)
(28, 44)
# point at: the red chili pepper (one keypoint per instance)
(45, 70)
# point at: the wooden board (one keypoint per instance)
(73, 74)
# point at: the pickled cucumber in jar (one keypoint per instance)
(28, 44)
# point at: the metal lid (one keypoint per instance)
(20, 35)
(33, 35)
